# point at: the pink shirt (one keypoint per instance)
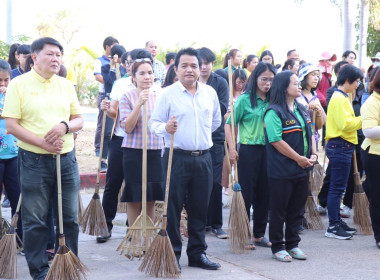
(134, 139)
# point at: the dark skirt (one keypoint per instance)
(132, 166)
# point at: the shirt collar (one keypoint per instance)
(40, 78)
(183, 89)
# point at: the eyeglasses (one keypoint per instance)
(298, 84)
(266, 80)
(143, 59)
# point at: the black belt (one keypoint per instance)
(51, 155)
(193, 153)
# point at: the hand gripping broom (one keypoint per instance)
(9, 248)
(93, 221)
(238, 222)
(318, 170)
(66, 264)
(360, 203)
(140, 235)
(160, 260)
(230, 178)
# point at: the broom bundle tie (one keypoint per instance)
(237, 187)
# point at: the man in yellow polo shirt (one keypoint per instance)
(42, 110)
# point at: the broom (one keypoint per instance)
(140, 235)
(313, 219)
(238, 222)
(160, 260)
(360, 203)
(93, 221)
(318, 170)
(80, 207)
(4, 225)
(121, 206)
(66, 264)
(230, 179)
(9, 248)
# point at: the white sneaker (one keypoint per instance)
(346, 212)
(321, 210)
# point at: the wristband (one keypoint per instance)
(67, 127)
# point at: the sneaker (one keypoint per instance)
(346, 228)
(221, 234)
(6, 203)
(346, 212)
(321, 210)
(337, 232)
(103, 167)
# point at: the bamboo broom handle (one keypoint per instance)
(59, 183)
(19, 203)
(118, 76)
(144, 167)
(354, 161)
(168, 173)
(232, 113)
(101, 150)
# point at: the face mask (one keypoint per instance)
(377, 63)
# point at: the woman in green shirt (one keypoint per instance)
(248, 115)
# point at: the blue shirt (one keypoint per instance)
(8, 147)
(16, 72)
(197, 115)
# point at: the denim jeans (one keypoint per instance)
(38, 181)
(339, 153)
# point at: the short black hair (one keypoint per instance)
(265, 53)
(248, 59)
(190, 52)
(40, 43)
(24, 49)
(5, 67)
(338, 66)
(170, 75)
(347, 53)
(349, 73)
(118, 49)
(279, 89)
(169, 56)
(109, 41)
(290, 52)
(207, 55)
(124, 57)
(140, 53)
(290, 62)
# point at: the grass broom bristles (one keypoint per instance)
(93, 221)
(361, 213)
(4, 227)
(160, 260)
(239, 227)
(121, 206)
(8, 255)
(317, 179)
(66, 265)
(313, 218)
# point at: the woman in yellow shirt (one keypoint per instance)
(370, 112)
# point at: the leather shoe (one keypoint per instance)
(204, 262)
(103, 239)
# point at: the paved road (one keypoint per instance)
(328, 259)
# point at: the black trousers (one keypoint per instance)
(191, 176)
(252, 168)
(371, 164)
(287, 202)
(349, 193)
(114, 179)
(214, 215)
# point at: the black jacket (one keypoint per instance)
(220, 85)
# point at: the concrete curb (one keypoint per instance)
(88, 180)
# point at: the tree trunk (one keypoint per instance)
(363, 32)
(348, 24)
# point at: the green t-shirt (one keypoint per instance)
(251, 126)
(273, 127)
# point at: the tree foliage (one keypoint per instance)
(4, 47)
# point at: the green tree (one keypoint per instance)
(4, 47)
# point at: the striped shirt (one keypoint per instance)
(159, 72)
(134, 139)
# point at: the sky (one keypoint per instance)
(311, 27)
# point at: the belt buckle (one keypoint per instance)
(195, 153)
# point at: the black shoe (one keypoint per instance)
(221, 234)
(103, 239)
(337, 232)
(346, 228)
(204, 262)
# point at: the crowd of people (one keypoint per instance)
(282, 115)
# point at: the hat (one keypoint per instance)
(376, 57)
(306, 69)
(328, 56)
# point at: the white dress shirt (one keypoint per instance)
(198, 116)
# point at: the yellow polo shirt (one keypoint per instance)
(40, 104)
(370, 112)
(341, 120)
